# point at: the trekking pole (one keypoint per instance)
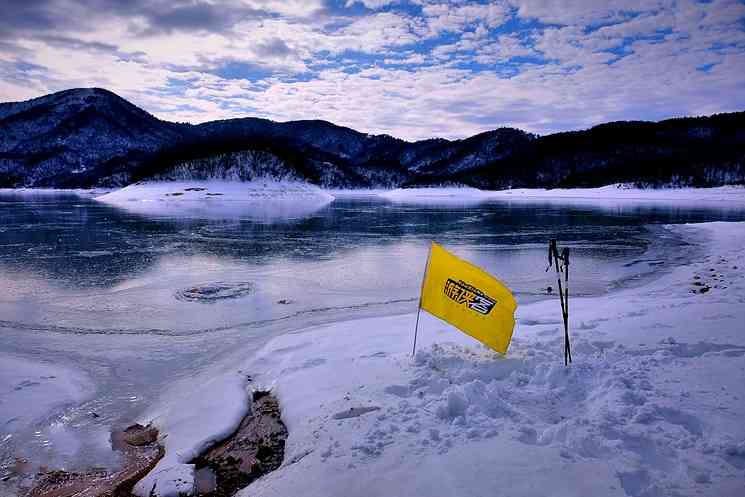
(567, 348)
(554, 258)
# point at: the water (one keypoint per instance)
(138, 301)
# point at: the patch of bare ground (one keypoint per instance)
(141, 450)
(255, 449)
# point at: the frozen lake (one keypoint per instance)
(124, 304)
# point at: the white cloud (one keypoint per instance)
(371, 4)
(295, 8)
(446, 17)
(585, 12)
(374, 32)
(484, 50)
(604, 63)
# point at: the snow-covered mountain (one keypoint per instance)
(90, 137)
(78, 137)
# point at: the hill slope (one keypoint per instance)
(88, 137)
(78, 138)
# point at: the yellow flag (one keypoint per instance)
(469, 298)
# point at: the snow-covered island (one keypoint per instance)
(261, 199)
(652, 405)
(617, 192)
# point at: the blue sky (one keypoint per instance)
(410, 68)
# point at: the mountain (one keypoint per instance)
(92, 137)
(78, 138)
(700, 151)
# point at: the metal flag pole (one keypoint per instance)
(419, 307)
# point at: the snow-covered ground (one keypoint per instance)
(262, 200)
(82, 192)
(652, 405)
(162, 191)
(617, 192)
(186, 191)
(604, 197)
(622, 192)
(217, 403)
(436, 195)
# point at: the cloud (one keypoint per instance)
(200, 16)
(274, 47)
(371, 4)
(446, 17)
(586, 12)
(413, 69)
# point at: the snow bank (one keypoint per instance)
(436, 195)
(81, 192)
(653, 404)
(622, 192)
(616, 192)
(192, 416)
(263, 200)
(358, 193)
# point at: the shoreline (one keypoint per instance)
(724, 193)
(403, 412)
(626, 385)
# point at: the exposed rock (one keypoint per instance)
(256, 448)
(135, 436)
(141, 452)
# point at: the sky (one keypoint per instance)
(408, 68)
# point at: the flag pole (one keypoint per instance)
(416, 328)
(419, 307)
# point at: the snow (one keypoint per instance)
(623, 192)
(436, 195)
(653, 404)
(30, 192)
(615, 192)
(263, 200)
(358, 193)
(189, 191)
(30, 389)
(214, 410)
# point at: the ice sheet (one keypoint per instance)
(31, 389)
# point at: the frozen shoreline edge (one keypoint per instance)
(612, 192)
(274, 376)
(472, 415)
(733, 193)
